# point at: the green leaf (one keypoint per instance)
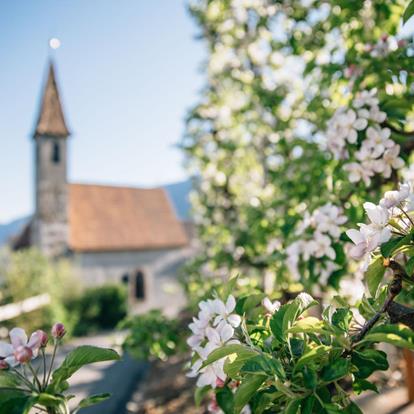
(409, 267)
(16, 402)
(228, 350)
(375, 274)
(76, 359)
(308, 324)
(307, 404)
(292, 312)
(49, 400)
(310, 378)
(338, 369)
(369, 361)
(317, 353)
(225, 400)
(297, 346)
(342, 318)
(276, 323)
(252, 301)
(9, 379)
(199, 394)
(409, 11)
(292, 407)
(363, 385)
(352, 408)
(264, 364)
(246, 391)
(94, 399)
(391, 246)
(392, 334)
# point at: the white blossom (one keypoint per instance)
(305, 300)
(270, 306)
(393, 198)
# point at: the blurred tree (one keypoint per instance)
(28, 273)
(281, 145)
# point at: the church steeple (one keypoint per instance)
(51, 120)
(50, 223)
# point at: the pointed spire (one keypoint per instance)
(51, 120)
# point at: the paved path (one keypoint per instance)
(118, 378)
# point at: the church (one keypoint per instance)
(110, 234)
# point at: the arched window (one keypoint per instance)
(56, 152)
(139, 291)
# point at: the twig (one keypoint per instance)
(394, 289)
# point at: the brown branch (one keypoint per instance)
(401, 314)
(394, 289)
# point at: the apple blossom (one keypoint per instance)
(20, 346)
(224, 312)
(393, 198)
(270, 306)
(305, 299)
(23, 354)
(58, 330)
(43, 338)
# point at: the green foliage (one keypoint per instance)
(21, 394)
(298, 363)
(409, 11)
(374, 274)
(28, 273)
(98, 308)
(75, 360)
(258, 142)
(153, 336)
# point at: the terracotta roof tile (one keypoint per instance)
(51, 120)
(107, 218)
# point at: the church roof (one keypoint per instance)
(108, 218)
(51, 120)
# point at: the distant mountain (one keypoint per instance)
(12, 228)
(179, 195)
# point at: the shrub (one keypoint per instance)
(29, 273)
(153, 335)
(98, 308)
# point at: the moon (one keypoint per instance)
(54, 43)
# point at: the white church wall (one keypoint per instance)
(159, 267)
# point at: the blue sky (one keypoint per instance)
(128, 71)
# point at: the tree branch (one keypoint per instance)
(401, 314)
(394, 289)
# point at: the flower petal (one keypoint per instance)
(230, 304)
(18, 337)
(5, 349)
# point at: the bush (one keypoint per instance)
(28, 273)
(153, 336)
(98, 308)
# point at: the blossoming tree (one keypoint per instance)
(306, 119)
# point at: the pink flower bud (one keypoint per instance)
(384, 37)
(43, 338)
(219, 383)
(58, 330)
(23, 354)
(3, 364)
(402, 43)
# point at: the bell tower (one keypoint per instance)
(50, 224)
